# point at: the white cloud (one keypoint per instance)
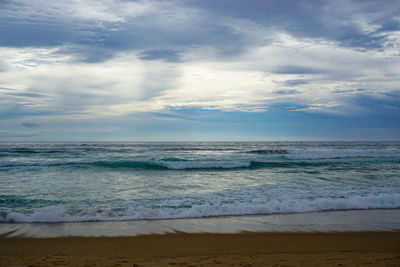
(77, 88)
(365, 26)
(3, 66)
(391, 44)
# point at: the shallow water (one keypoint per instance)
(326, 221)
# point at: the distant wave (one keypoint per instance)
(12, 201)
(175, 165)
(180, 164)
(209, 165)
(269, 151)
(30, 151)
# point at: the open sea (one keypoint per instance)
(78, 182)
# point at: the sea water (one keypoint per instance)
(78, 182)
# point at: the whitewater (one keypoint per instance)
(119, 181)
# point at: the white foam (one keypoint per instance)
(243, 202)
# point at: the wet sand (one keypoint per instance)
(201, 249)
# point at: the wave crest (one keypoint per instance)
(245, 202)
(269, 151)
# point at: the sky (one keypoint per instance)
(187, 70)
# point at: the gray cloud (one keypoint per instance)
(162, 27)
(357, 90)
(387, 104)
(287, 92)
(34, 95)
(30, 124)
(163, 54)
(296, 69)
(295, 82)
(98, 36)
(38, 32)
(352, 23)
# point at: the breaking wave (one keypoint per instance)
(176, 164)
(269, 151)
(243, 202)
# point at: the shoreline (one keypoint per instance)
(327, 221)
(207, 249)
(335, 238)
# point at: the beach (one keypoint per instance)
(199, 133)
(336, 238)
(204, 249)
(200, 204)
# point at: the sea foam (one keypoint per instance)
(243, 202)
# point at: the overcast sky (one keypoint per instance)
(199, 70)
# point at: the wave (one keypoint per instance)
(31, 151)
(181, 164)
(12, 200)
(269, 151)
(245, 202)
(177, 165)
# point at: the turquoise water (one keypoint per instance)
(62, 182)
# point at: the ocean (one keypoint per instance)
(124, 181)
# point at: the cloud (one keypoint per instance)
(81, 60)
(3, 66)
(30, 124)
(293, 69)
(386, 103)
(97, 30)
(154, 81)
(287, 92)
(160, 54)
(64, 86)
(295, 82)
(21, 94)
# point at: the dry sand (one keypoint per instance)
(181, 249)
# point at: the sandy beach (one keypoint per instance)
(182, 249)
